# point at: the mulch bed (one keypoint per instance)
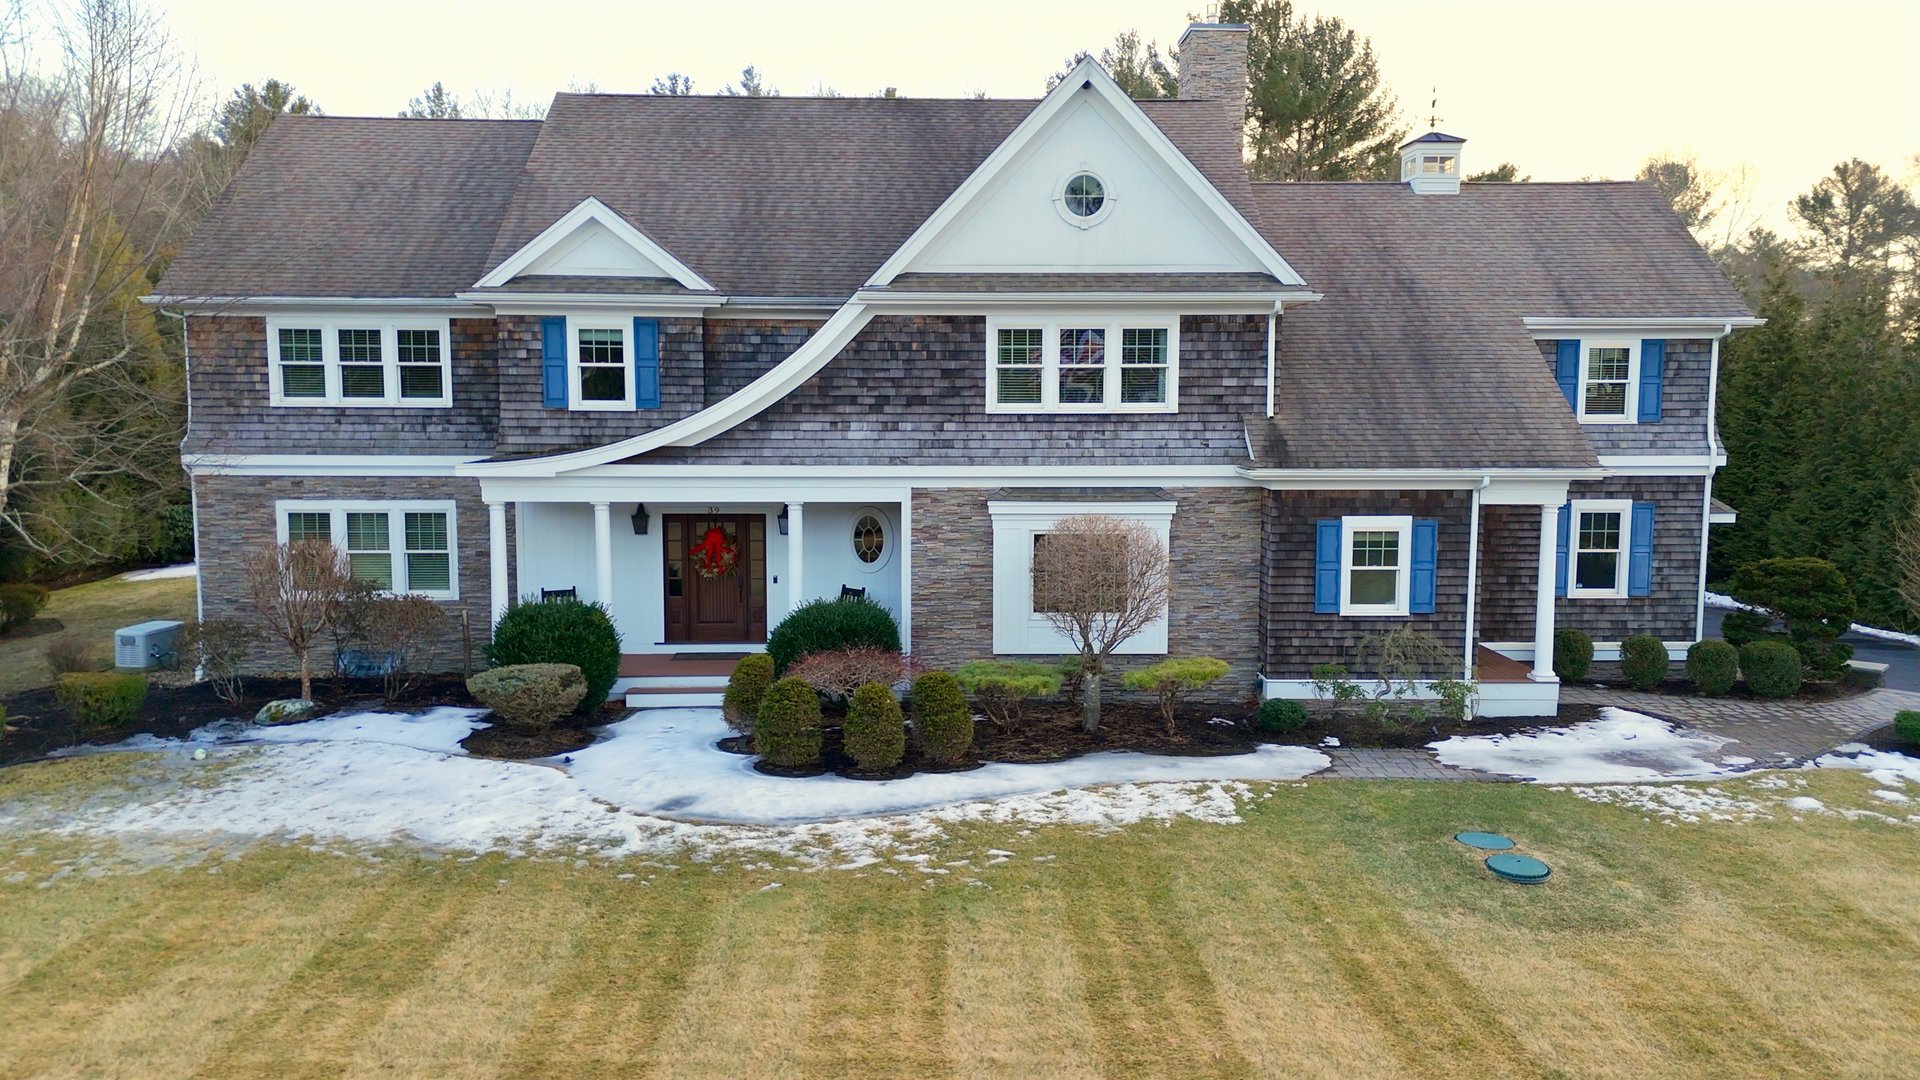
(1810, 693)
(505, 745)
(1883, 738)
(37, 725)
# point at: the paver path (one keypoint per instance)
(1363, 763)
(1776, 732)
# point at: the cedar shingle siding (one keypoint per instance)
(527, 425)
(1682, 427)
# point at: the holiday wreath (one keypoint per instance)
(715, 555)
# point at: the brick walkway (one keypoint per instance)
(1774, 732)
(1362, 763)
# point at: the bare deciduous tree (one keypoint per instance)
(1906, 556)
(91, 197)
(1099, 581)
(297, 590)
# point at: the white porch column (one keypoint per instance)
(497, 558)
(1543, 601)
(603, 554)
(795, 597)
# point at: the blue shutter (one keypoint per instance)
(646, 363)
(1640, 551)
(1326, 567)
(553, 362)
(1566, 370)
(1653, 377)
(1566, 533)
(1426, 545)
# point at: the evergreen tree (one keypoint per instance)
(1135, 65)
(1315, 102)
(435, 104)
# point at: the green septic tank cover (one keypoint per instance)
(1485, 841)
(1519, 868)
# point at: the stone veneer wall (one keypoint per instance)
(1215, 553)
(236, 514)
(229, 388)
(527, 425)
(1296, 638)
(1509, 567)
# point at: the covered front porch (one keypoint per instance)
(687, 574)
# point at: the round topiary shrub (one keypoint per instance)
(941, 718)
(560, 632)
(1713, 666)
(101, 702)
(745, 687)
(875, 730)
(1644, 660)
(1279, 716)
(786, 733)
(528, 698)
(1906, 726)
(1572, 654)
(830, 625)
(1772, 668)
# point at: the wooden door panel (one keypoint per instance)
(727, 608)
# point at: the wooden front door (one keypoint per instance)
(705, 606)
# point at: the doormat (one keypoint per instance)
(711, 655)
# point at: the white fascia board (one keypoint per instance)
(941, 475)
(1723, 518)
(593, 303)
(592, 209)
(324, 464)
(1505, 480)
(278, 305)
(1206, 303)
(742, 404)
(1689, 326)
(1088, 74)
(1662, 464)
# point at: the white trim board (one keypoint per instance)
(1677, 326)
(1602, 650)
(591, 210)
(1086, 77)
(323, 464)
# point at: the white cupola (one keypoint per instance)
(1430, 164)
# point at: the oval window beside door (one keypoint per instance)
(871, 549)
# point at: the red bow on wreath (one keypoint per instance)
(715, 555)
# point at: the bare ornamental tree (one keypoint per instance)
(297, 589)
(1099, 581)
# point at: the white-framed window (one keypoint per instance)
(600, 363)
(1609, 381)
(404, 546)
(360, 362)
(1083, 199)
(1019, 528)
(1095, 363)
(1376, 556)
(1597, 541)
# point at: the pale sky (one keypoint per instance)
(1564, 90)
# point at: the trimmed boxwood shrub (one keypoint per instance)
(1001, 685)
(1713, 666)
(1906, 726)
(19, 604)
(1572, 654)
(1772, 668)
(101, 702)
(875, 730)
(1279, 716)
(1172, 679)
(786, 733)
(829, 625)
(1644, 660)
(561, 632)
(941, 719)
(528, 698)
(745, 687)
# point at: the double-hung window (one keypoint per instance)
(1598, 547)
(1374, 566)
(399, 547)
(1097, 363)
(1609, 371)
(395, 362)
(598, 355)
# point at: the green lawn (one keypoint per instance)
(92, 611)
(1338, 932)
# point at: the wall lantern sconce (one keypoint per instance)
(782, 520)
(640, 519)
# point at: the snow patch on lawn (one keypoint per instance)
(182, 570)
(1883, 767)
(1728, 603)
(1620, 747)
(1676, 802)
(379, 778)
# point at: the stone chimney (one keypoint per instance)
(1213, 62)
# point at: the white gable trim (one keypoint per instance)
(591, 210)
(1087, 75)
(782, 379)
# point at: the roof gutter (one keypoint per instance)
(1681, 325)
(1252, 301)
(1706, 486)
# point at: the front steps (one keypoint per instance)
(675, 697)
(659, 682)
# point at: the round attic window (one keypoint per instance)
(1083, 199)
